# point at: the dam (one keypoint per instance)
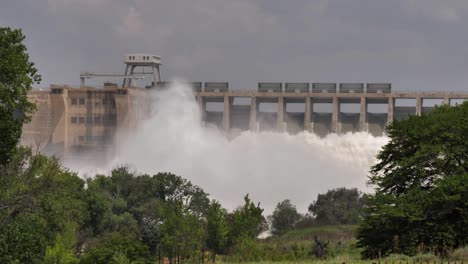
(72, 120)
(325, 108)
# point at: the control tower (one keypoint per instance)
(142, 61)
(133, 61)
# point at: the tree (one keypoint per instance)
(246, 222)
(284, 217)
(421, 186)
(22, 239)
(116, 247)
(164, 211)
(17, 74)
(337, 206)
(217, 229)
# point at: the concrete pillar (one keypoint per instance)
(66, 113)
(311, 116)
(418, 105)
(307, 115)
(280, 114)
(227, 113)
(201, 107)
(253, 114)
(391, 104)
(335, 113)
(363, 115)
(446, 101)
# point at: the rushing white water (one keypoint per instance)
(269, 166)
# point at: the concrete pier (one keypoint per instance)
(321, 122)
(307, 115)
(335, 113)
(227, 113)
(253, 114)
(363, 115)
(280, 115)
(391, 104)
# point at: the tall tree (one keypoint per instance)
(284, 217)
(17, 74)
(337, 206)
(421, 186)
(246, 221)
(216, 229)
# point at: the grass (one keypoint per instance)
(296, 247)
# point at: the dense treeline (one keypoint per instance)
(421, 187)
(48, 213)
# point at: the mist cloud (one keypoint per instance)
(269, 166)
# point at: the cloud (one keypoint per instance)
(411, 43)
(59, 4)
(447, 11)
(131, 24)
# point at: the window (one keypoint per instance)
(97, 119)
(89, 120)
(73, 120)
(82, 101)
(57, 91)
(81, 138)
(81, 120)
(74, 101)
(109, 120)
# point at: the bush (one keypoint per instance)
(459, 254)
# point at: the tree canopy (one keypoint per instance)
(337, 206)
(421, 186)
(284, 217)
(17, 74)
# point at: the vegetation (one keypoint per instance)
(339, 206)
(284, 218)
(17, 74)
(50, 215)
(421, 195)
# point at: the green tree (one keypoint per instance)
(22, 239)
(284, 217)
(246, 222)
(37, 187)
(182, 233)
(337, 206)
(421, 186)
(164, 211)
(17, 74)
(217, 229)
(63, 249)
(116, 248)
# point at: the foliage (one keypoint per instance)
(421, 198)
(62, 252)
(217, 228)
(246, 222)
(37, 188)
(116, 247)
(17, 74)
(338, 206)
(182, 233)
(284, 217)
(22, 239)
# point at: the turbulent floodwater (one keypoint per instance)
(269, 166)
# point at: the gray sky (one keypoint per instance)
(415, 44)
